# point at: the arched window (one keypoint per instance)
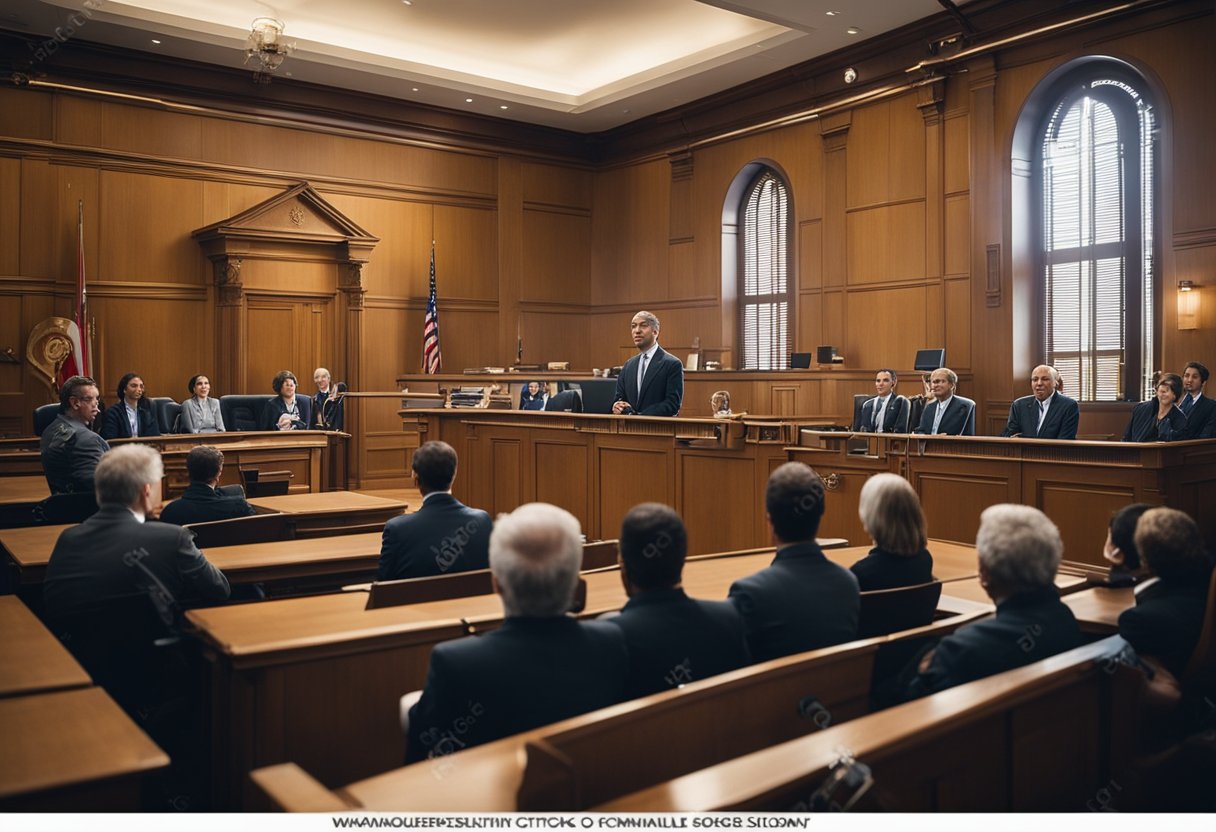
(764, 274)
(1095, 168)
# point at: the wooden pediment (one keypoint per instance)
(297, 216)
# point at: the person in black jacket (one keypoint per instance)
(802, 601)
(69, 450)
(891, 513)
(1019, 551)
(1199, 409)
(132, 414)
(672, 639)
(203, 500)
(652, 382)
(287, 410)
(1159, 419)
(1120, 548)
(1047, 413)
(1169, 610)
(887, 412)
(541, 666)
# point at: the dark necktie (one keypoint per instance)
(1187, 404)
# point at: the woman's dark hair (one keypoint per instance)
(1171, 380)
(143, 403)
(194, 380)
(283, 375)
(1123, 532)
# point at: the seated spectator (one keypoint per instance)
(70, 450)
(1019, 551)
(89, 564)
(327, 402)
(803, 600)
(132, 414)
(1168, 615)
(1120, 548)
(891, 514)
(443, 535)
(541, 665)
(204, 500)
(286, 411)
(1199, 409)
(201, 412)
(672, 639)
(534, 397)
(1159, 419)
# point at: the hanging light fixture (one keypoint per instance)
(266, 48)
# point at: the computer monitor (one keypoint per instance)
(825, 354)
(800, 360)
(598, 395)
(930, 360)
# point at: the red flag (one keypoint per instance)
(432, 358)
(77, 362)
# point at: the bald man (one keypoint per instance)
(1045, 414)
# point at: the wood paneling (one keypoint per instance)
(466, 253)
(886, 243)
(10, 211)
(145, 227)
(566, 477)
(643, 476)
(958, 239)
(712, 485)
(506, 457)
(629, 234)
(556, 257)
(881, 323)
(287, 334)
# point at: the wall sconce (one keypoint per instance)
(1188, 305)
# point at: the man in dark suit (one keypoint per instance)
(947, 413)
(443, 535)
(672, 639)
(540, 666)
(802, 601)
(327, 401)
(117, 552)
(1019, 550)
(70, 450)
(203, 500)
(1045, 414)
(1199, 409)
(886, 412)
(652, 382)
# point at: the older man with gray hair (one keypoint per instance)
(541, 665)
(1019, 551)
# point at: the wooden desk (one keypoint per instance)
(1098, 608)
(72, 751)
(28, 550)
(339, 559)
(1079, 485)
(30, 490)
(31, 659)
(331, 508)
(971, 590)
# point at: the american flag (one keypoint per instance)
(432, 358)
(77, 361)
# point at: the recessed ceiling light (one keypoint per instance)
(154, 40)
(408, 2)
(831, 14)
(413, 89)
(468, 101)
(502, 106)
(853, 30)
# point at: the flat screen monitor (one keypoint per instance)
(930, 360)
(825, 354)
(598, 395)
(800, 360)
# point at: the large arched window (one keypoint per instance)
(1095, 169)
(764, 274)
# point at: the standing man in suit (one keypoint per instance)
(886, 412)
(652, 382)
(802, 601)
(1199, 409)
(541, 666)
(947, 413)
(443, 535)
(672, 639)
(1046, 414)
(203, 500)
(117, 552)
(70, 451)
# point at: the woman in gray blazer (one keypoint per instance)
(200, 412)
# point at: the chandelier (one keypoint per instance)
(266, 48)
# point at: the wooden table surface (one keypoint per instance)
(1098, 608)
(327, 502)
(32, 660)
(23, 489)
(69, 738)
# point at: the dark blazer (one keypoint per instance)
(1063, 414)
(274, 408)
(882, 570)
(801, 602)
(674, 639)
(1201, 421)
(528, 673)
(86, 565)
(958, 421)
(442, 536)
(536, 402)
(1028, 627)
(1143, 426)
(332, 411)
(70, 452)
(894, 419)
(114, 424)
(200, 503)
(662, 388)
(1166, 620)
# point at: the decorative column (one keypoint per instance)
(230, 331)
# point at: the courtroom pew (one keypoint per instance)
(587, 759)
(236, 531)
(1050, 736)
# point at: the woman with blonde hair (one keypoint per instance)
(891, 514)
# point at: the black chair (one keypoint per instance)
(886, 611)
(916, 409)
(860, 399)
(241, 412)
(65, 508)
(43, 416)
(167, 411)
(568, 401)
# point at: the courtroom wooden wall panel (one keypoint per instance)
(713, 486)
(400, 265)
(467, 334)
(165, 341)
(287, 334)
(27, 114)
(958, 238)
(629, 234)
(556, 257)
(506, 458)
(42, 225)
(145, 224)
(886, 243)
(628, 476)
(557, 185)
(467, 263)
(562, 475)
(959, 355)
(956, 172)
(955, 500)
(10, 210)
(682, 273)
(101, 124)
(882, 323)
